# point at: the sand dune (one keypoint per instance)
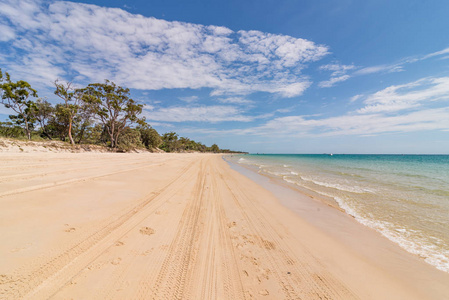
(164, 226)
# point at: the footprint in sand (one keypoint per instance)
(231, 224)
(268, 245)
(71, 229)
(147, 230)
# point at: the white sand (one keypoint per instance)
(168, 226)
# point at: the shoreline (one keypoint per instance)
(165, 226)
(326, 215)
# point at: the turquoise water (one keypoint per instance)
(404, 197)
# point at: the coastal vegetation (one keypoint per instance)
(99, 114)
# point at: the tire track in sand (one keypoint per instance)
(70, 181)
(296, 279)
(53, 274)
(171, 280)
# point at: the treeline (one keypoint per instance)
(100, 113)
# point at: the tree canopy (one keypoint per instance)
(100, 113)
(15, 95)
(113, 106)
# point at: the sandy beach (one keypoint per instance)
(185, 226)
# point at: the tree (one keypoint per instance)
(113, 107)
(214, 148)
(58, 125)
(10, 130)
(170, 142)
(15, 95)
(149, 136)
(129, 140)
(43, 113)
(72, 99)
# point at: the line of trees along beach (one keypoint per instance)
(100, 114)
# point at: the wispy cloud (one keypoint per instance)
(416, 106)
(342, 72)
(381, 68)
(209, 114)
(399, 66)
(366, 124)
(355, 98)
(437, 53)
(338, 74)
(407, 96)
(236, 100)
(189, 99)
(88, 43)
(7, 33)
(331, 82)
(337, 69)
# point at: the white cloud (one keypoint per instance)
(148, 107)
(91, 43)
(416, 106)
(331, 82)
(437, 53)
(284, 110)
(7, 33)
(407, 96)
(380, 68)
(293, 89)
(211, 114)
(338, 74)
(189, 99)
(355, 98)
(235, 100)
(398, 67)
(285, 50)
(161, 124)
(337, 69)
(363, 124)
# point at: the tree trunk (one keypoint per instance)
(27, 130)
(111, 133)
(116, 137)
(81, 134)
(70, 133)
(47, 135)
(112, 140)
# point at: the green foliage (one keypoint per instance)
(214, 148)
(71, 105)
(15, 95)
(11, 130)
(113, 106)
(170, 142)
(43, 112)
(101, 113)
(129, 140)
(149, 136)
(58, 125)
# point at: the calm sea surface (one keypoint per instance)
(404, 197)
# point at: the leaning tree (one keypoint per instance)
(113, 107)
(72, 101)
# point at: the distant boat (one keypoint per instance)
(330, 154)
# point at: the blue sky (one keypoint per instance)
(261, 76)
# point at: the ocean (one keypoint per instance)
(404, 197)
